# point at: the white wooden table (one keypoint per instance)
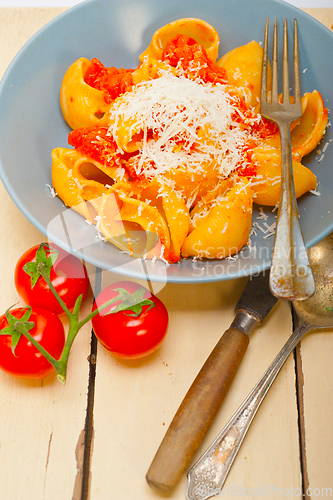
(96, 436)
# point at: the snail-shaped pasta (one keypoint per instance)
(174, 210)
(197, 29)
(311, 127)
(243, 66)
(124, 220)
(77, 178)
(157, 211)
(266, 185)
(170, 156)
(203, 206)
(307, 131)
(226, 228)
(81, 104)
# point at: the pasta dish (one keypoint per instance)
(167, 158)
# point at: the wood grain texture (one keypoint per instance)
(197, 412)
(155, 387)
(324, 16)
(316, 351)
(42, 423)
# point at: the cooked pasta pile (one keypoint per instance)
(168, 158)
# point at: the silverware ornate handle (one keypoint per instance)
(207, 476)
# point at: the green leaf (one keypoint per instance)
(132, 302)
(12, 329)
(32, 268)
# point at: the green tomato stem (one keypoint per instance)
(98, 309)
(74, 326)
(41, 269)
(21, 328)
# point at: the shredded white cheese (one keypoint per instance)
(177, 110)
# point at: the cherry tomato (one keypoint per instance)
(134, 332)
(68, 275)
(26, 361)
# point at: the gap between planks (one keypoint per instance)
(85, 443)
(299, 381)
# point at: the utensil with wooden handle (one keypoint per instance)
(207, 476)
(206, 394)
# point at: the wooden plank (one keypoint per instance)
(315, 354)
(268, 462)
(41, 422)
(18, 25)
(135, 401)
(324, 16)
(39, 418)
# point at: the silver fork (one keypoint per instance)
(290, 274)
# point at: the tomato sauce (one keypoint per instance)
(183, 51)
(112, 81)
(194, 60)
(94, 142)
(98, 144)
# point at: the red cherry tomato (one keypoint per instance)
(27, 362)
(68, 275)
(131, 333)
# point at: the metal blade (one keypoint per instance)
(257, 298)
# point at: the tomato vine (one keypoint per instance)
(40, 268)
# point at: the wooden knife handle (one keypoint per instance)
(197, 412)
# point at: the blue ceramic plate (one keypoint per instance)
(115, 32)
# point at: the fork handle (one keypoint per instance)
(197, 412)
(208, 474)
(290, 274)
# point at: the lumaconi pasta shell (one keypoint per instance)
(274, 140)
(115, 214)
(128, 133)
(243, 67)
(187, 181)
(266, 185)
(226, 229)
(202, 32)
(307, 131)
(178, 220)
(70, 185)
(81, 105)
(120, 233)
(150, 69)
(172, 207)
(208, 185)
(65, 187)
(145, 212)
(202, 208)
(311, 128)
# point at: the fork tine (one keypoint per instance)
(297, 89)
(263, 96)
(289, 252)
(275, 65)
(285, 68)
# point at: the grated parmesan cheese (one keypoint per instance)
(175, 109)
